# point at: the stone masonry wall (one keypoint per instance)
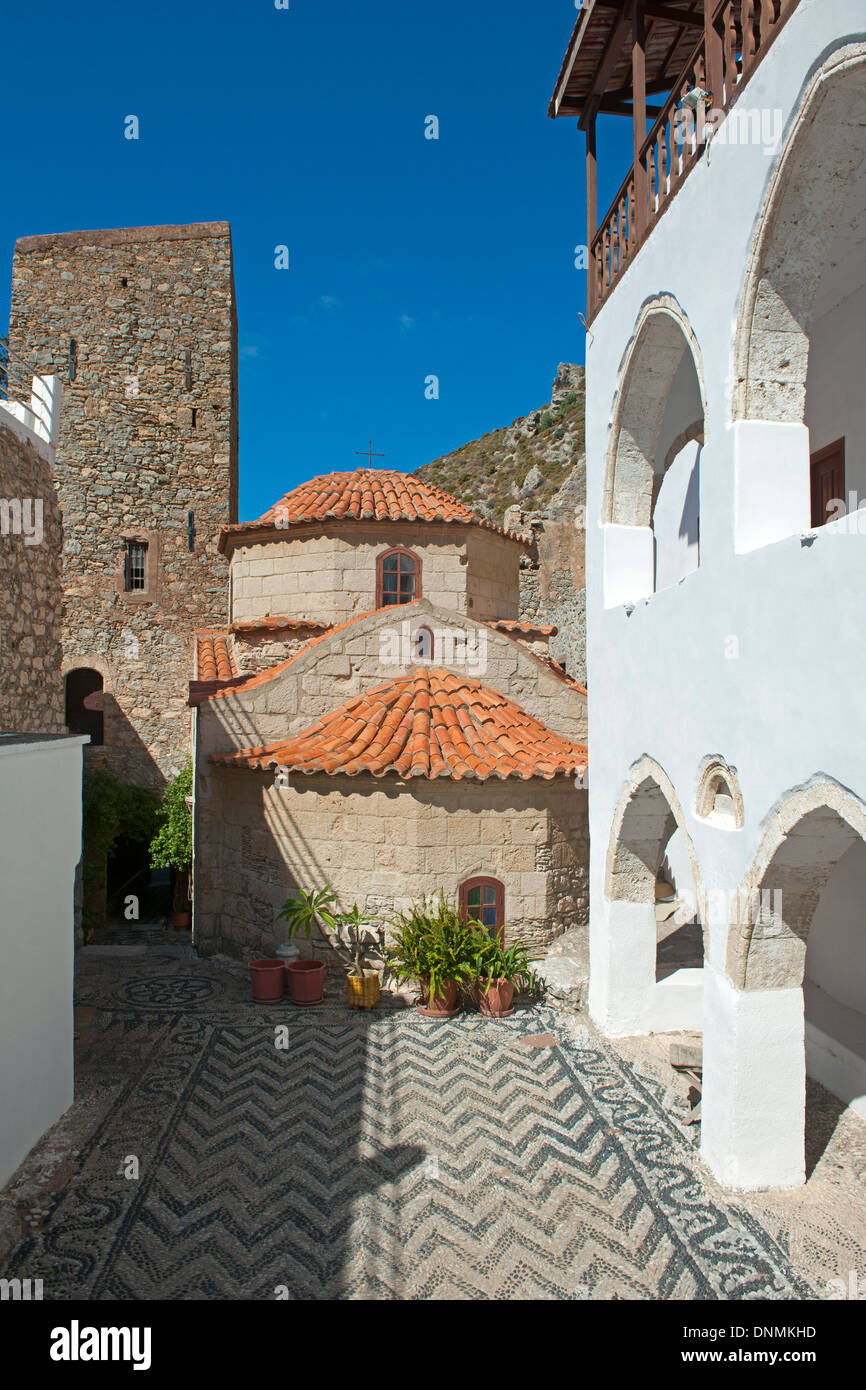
(383, 844)
(329, 575)
(140, 325)
(345, 663)
(552, 574)
(31, 595)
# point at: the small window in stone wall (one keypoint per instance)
(135, 566)
(483, 900)
(423, 644)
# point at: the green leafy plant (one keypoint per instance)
(350, 933)
(111, 808)
(493, 961)
(431, 943)
(171, 845)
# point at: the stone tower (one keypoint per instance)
(140, 325)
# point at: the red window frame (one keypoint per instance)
(380, 588)
(482, 881)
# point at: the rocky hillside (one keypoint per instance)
(525, 462)
(531, 477)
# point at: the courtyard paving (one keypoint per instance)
(378, 1156)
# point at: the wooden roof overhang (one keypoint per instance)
(597, 72)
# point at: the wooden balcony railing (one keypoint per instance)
(730, 49)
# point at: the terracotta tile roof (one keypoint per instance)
(262, 678)
(279, 623)
(366, 494)
(214, 659)
(513, 625)
(429, 723)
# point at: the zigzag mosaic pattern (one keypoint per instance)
(382, 1158)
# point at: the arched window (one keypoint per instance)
(84, 703)
(398, 577)
(719, 799)
(422, 644)
(483, 900)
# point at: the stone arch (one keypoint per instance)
(718, 783)
(647, 814)
(658, 346)
(806, 197)
(806, 835)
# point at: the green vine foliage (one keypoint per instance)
(111, 808)
(172, 843)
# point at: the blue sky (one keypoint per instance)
(305, 128)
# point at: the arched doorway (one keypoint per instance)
(85, 703)
(795, 1000)
(651, 503)
(646, 960)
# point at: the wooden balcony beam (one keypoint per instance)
(612, 53)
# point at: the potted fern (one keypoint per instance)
(432, 944)
(171, 846)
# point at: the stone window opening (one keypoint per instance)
(137, 571)
(193, 416)
(135, 566)
(483, 900)
(85, 703)
(423, 644)
(398, 577)
(719, 799)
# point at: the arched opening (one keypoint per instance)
(654, 945)
(398, 577)
(719, 799)
(422, 644)
(85, 703)
(798, 1006)
(799, 348)
(482, 900)
(652, 490)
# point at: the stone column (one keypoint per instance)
(754, 1085)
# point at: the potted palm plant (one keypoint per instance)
(308, 910)
(499, 971)
(362, 981)
(433, 945)
(171, 846)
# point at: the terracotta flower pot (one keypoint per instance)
(362, 991)
(496, 1001)
(181, 921)
(443, 1005)
(306, 981)
(268, 979)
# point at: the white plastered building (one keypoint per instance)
(726, 429)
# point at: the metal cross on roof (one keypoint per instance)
(368, 454)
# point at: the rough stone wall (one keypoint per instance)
(347, 662)
(147, 435)
(383, 844)
(31, 595)
(329, 575)
(552, 574)
(254, 652)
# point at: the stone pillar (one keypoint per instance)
(754, 1085)
(622, 966)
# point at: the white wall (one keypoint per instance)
(40, 846)
(676, 521)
